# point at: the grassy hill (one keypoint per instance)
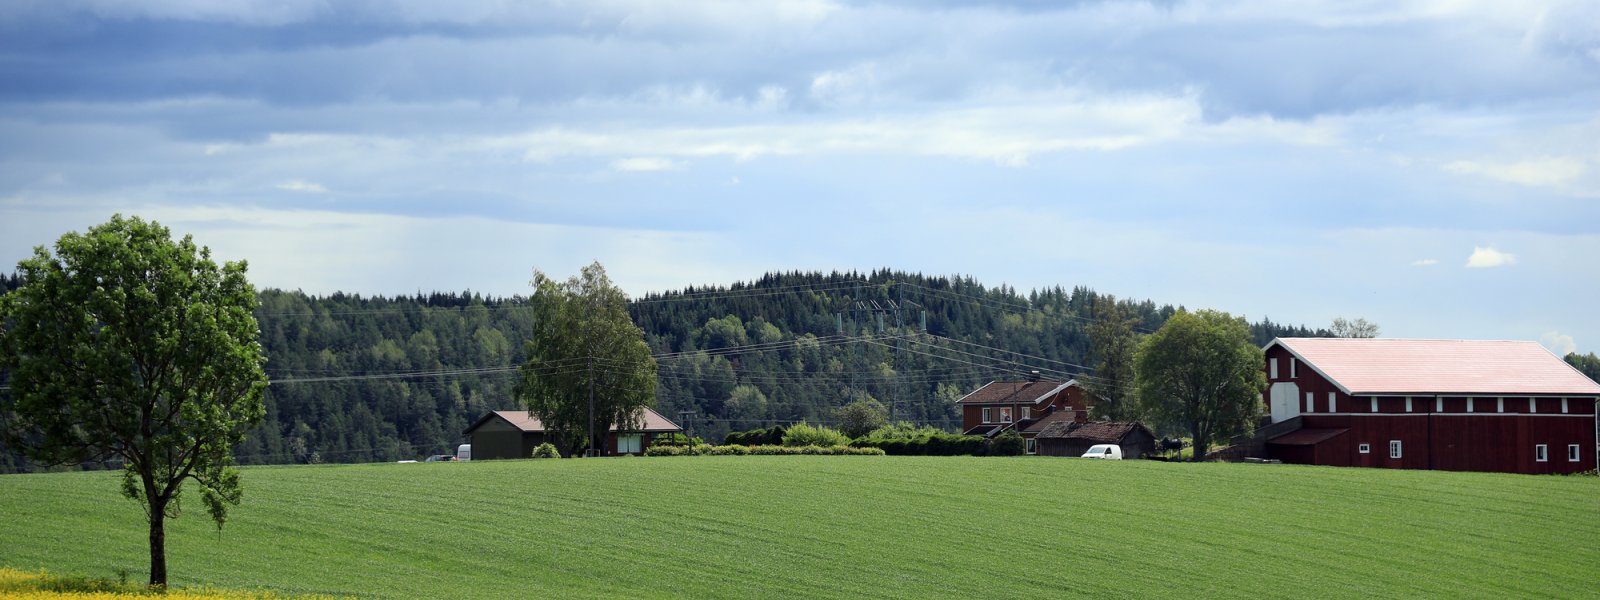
(838, 527)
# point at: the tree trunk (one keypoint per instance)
(158, 546)
(1201, 442)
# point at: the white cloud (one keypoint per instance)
(296, 185)
(1559, 343)
(647, 163)
(1424, 262)
(1486, 257)
(1543, 171)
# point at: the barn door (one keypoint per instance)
(1285, 401)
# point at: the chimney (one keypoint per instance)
(1033, 376)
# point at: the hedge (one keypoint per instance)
(740, 450)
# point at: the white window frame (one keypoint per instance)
(1438, 405)
(987, 415)
(1408, 403)
(1272, 365)
(1563, 406)
(1027, 413)
(1005, 414)
(1364, 448)
(1574, 453)
(1294, 368)
(1500, 404)
(1374, 404)
(1031, 445)
(1311, 402)
(1541, 453)
(1333, 401)
(1533, 405)
(1396, 449)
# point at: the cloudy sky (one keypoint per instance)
(1431, 166)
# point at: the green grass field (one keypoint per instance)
(814, 526)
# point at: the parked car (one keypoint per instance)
(1106, 451)
(440, 458)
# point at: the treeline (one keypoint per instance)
(359, 379)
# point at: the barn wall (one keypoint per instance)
(1479, 441)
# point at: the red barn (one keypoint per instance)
(1455, 405)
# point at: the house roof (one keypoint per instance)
(653, 421)
(1016, 392)
(1306, 437)
(1100, 432)
(1059, 416)
(1396, 366)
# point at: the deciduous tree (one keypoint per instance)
(588, 366)
(1201, 371)
(1356, 328)
(126, 345)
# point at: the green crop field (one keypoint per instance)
(823, 526)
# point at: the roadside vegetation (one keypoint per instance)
(833, 527)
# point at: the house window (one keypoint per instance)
(629, 444)
(1572, 453)
(987, 417)
(1541, 453)
(1005, 415)
(1311, 402)
(1272, 365)
(1364, 448)
(1033, 446)
(1027, 412)
(1394, 448)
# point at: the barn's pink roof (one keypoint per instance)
(1482, 367)
(653, 421)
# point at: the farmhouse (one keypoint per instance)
(1457, 405)
(999, 406)
(515, 433)
(1065, 438)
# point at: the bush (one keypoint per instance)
(1007, 444)
(658, 450)
(802, 434)
(931, 443)
(904, 431)
(756, 437)
(675, 439)
(546, 450)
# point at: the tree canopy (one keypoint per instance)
(588, 366)
(1353, 328)
(1202, 372)
(125, 345)
(1112, 344)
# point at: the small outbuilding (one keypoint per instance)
(515, 433)
(1066, 438)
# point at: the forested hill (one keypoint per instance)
(358, 379)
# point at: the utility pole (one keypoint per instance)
(686, 416)
(591, 451)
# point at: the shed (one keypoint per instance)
(515, 433)
(1065, 438)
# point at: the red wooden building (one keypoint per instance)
(1456, 405)
(515, 433)
(1025, 405)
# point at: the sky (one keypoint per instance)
(1430, 166)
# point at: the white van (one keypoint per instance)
(1106, 451)
(464, 452)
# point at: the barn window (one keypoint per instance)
(1533, 405)
(1563, 406)
(1294, 370)
(1311, 402)
(1572, 453)
(1500, 404)
(1408, 403)
(1333, 402)
(1470, 407)
(1394, 448)
(1272, 365)
(1374, 404)
(1541, 453)
(1033, 446)
(1364, 449)
(987, 416)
